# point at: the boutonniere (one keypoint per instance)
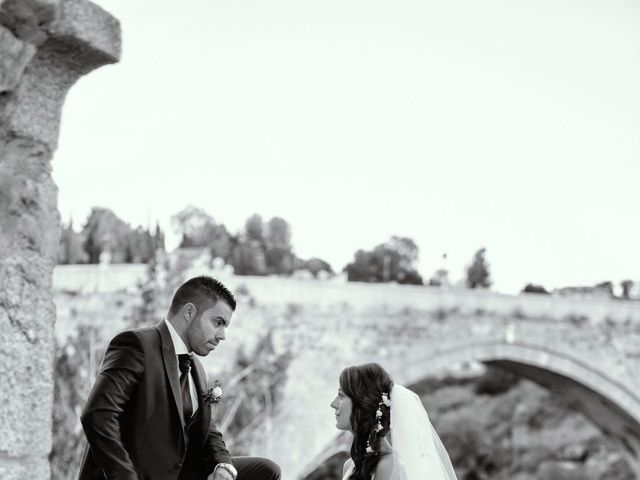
(214, 394)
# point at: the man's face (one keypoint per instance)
(207, 330)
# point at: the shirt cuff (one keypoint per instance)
(228, 467)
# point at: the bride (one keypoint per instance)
(393, 438)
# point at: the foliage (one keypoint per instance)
(626, 286)
(316, 265)
(252, 389)
(535, 288)
(248, 258)
(606, 287)
(194, 225)
(259, 249)
(70, 249)
(478, 275)
(277, 245)
(495, 381)
(75, 368)
(392, 261)
(471, 450)
(147, 311)
(105, 233)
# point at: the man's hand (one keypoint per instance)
(221, 474)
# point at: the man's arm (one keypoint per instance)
(119, 375)
(215, 449)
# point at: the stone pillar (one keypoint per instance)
(45, 46)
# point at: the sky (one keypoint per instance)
(502, 124)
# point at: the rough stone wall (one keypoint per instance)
(45, 46)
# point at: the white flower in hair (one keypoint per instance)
(385, 400)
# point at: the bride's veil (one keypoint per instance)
(418, 453)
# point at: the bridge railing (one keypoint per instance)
(282, 290)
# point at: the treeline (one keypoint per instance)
(628, 290)
(106, 237)
(259, 248)
(264, 247)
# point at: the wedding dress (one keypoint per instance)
(418, 453)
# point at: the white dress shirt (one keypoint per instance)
(181, 348)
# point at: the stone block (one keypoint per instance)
(23, 469)
(46, 46)
(73, 49)
(16, 54)
(92, 26)
(29, 19)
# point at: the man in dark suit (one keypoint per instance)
(148, 415)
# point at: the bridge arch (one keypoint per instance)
(610, 405)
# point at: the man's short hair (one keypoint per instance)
(203, 291)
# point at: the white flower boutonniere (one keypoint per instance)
(214, 394)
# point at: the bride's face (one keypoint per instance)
(342, 405)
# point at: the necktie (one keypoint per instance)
(184, 361)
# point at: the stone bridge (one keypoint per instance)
(587, 350)
(592, 359)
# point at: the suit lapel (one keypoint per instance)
(201, 387)
(171, 368)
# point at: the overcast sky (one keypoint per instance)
(506, 124)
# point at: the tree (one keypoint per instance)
(606, 287)
(254, 228)
(316, 265)
(194, 225)
(248, 258)
(626, 286)
(159, 239)
(478, 275)
(70, 250)
(534, 288)
(277, 247)
(392, 261)
(220, 242)
(105, 232)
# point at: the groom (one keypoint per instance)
(148, 415)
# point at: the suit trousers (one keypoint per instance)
(256, 468)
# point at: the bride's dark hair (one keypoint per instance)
(364, 385)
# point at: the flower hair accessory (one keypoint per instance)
(387, 403)
(214, 394)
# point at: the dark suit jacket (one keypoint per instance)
(132, 417)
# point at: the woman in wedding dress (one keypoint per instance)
(393, 438)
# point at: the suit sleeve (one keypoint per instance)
(215, 449)
(119, 376)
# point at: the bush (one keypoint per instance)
(495, 381)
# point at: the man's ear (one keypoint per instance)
(189, 312)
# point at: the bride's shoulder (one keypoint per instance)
(384, 467)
